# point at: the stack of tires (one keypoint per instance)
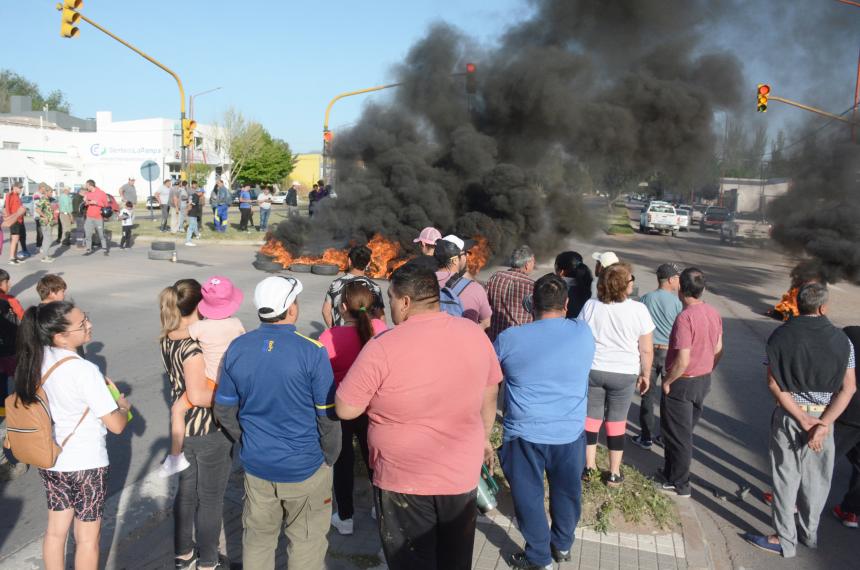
(162, 250)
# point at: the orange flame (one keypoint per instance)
(385, 256)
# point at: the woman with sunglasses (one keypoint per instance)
(83, 411)
(199, 501)
(622, 331)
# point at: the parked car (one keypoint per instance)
(685, 219)
(152, 203)
(713, 218)
(279, 198)
(697, 213)
(659, 216)
(746, 228)
(27, 202)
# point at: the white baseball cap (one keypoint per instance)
(605, 258)
(274, 295)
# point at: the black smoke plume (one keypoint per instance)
(606, 92)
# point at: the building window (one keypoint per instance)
(177, 140)
(198, 143)
(9, 145)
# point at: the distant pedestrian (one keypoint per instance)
(292, 200)
(426, 240)
(128, 193)
(429, 387)
(163, 195)
(343, 344)
(313, 195)
(46, 216)
(175, 216)
(356, 270)
(5, 295)
(695, 348)
(663, 306)
(222, 205)
(450, 254)
(126, 216)
(264, 200)
(95, 199)
(576, 274)
(50, 288)
(811, 375)
(82, 410)
(245, 209)
(196, 190)
(195, 211)
(276, 396)
(506, 291)
(623, 330)
(846, 441)
(67, 215)
(13, 218)
(199, 502)
(545, 364)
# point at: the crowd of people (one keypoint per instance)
(566, 359)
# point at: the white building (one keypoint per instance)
(751, 194)
(35, 147)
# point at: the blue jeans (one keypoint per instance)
(192, 228)
(264, 218)
(524, 464)
(221, 218)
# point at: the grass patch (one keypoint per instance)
(618, 221)
(636, 502)
(151, 228)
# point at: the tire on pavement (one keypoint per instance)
(300, 268)
(325, 269)
(268, 265)
(160, 255)
(163, 246)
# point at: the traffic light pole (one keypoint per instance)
(811, 109)
(156, 63)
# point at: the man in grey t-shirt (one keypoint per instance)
(128, 192)
(664, 305)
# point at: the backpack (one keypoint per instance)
(449, 295)
(30, 428)
(8, 329)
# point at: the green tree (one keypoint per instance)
(272, 163)
(13, 84)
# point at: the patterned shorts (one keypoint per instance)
(83, 491)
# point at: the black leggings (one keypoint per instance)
(343, 467)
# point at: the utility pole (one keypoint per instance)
(70, 15)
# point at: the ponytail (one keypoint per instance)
(177, 301)
(359, 302)
(36, 331)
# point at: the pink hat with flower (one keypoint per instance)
(221, 299)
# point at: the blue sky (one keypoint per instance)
(277, 62)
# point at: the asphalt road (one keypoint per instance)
(120, 293)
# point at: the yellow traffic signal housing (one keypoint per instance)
(69, 17)
(762, 93)
(188, 126)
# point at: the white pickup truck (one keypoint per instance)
(658, 216)
(745, 228)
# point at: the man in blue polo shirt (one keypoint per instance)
(276, 394)
(546, 365)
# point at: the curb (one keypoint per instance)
(695, 545)
(202, 241)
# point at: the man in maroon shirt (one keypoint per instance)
(507, 289)
(95, 199)
(695, 348)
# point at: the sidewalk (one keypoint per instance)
(496, 539)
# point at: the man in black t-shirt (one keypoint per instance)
(195, 211)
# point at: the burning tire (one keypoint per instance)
(325, 269)
(163, 246)
(300, 268)
(268, 265)
(160, 255)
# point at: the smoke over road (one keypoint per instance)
(582, 93)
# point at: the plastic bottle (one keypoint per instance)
(487, 490)
(173, 257)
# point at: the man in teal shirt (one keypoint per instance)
(664, 305)
(67, 214)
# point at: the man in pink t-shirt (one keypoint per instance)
(450, 253)
(695, 348)
(95, 199)
(429, 386)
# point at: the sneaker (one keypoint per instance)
(190, 244)
(762, 542)
(47, 259)
(344, 527)
(658, 440)
(519, 560)
(15, 261)
(173, 465)
(640, 441)
(848, 519)
(185, 564)
(615, 480)
(589, 473)
(559, 555)
(668, 487)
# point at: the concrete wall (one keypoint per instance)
(752, 193)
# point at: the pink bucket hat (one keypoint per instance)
(428, 235)
(220, 298)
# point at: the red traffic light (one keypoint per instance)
(764, 89)
(327, 136)
(471, 68)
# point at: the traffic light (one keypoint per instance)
(69, 17)
(762, 94)
(188, 126)
(471, 79)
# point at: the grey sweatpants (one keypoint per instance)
(801, 477)
(91, 225)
